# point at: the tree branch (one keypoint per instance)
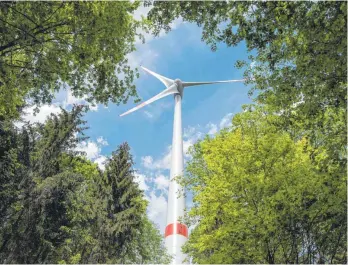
(24, 15)
(55, 11)
(14, 26)
(42, 30)
(29, 68)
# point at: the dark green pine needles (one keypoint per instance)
(58, 207)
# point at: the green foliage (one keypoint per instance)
(261, 197)
(58, 207)
(273, 189)
(40, 189)
(125, 207)
(301, 52)
(149, 245)
(46, 46)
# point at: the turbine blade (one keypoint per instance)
(165, 80)
(170, 90)
(187, 84)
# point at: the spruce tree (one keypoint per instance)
(58, 207)
(126, 207)
(34, 191)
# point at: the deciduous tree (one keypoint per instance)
(261, 197)
(298, 55)
(47, 46)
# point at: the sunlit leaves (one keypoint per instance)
(261, 198)
(47, 46)
(300, 50)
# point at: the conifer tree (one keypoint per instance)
(126, 207)
(58, 207)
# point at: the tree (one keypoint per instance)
(301, 56)
(299, 72)
(47, 46)
(261, 197)
(41, 188)
(125, 205)
(58, 207)
(148, 245)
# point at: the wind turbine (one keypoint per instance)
(176, 233)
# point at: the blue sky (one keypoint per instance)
(206, 109)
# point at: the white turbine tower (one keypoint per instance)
(175, 233)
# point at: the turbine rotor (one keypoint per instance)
(172, 87)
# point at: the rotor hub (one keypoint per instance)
(179, 86)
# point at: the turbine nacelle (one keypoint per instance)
(179, 86)
(178, 82)
(172, 87)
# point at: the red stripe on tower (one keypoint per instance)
(176, 228)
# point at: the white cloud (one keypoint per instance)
(100, 160)
(140, 179)
(226, 121)
(189, 131)
(91, 149)
(165, 162)
(162, 182)
(213, 128)
(162, 163)
(41, 117)
(191, 135)
(141, 11)
(45, 110)
(186, 145)
(157, 210)
(157, 206)
(66, 98)
(148, 36)
(102, 141)
(147, 161)
(71, 100)
(143, 54)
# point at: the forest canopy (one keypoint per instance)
(81, 46)
(262, 197)
(58, 207)
(271, 188)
